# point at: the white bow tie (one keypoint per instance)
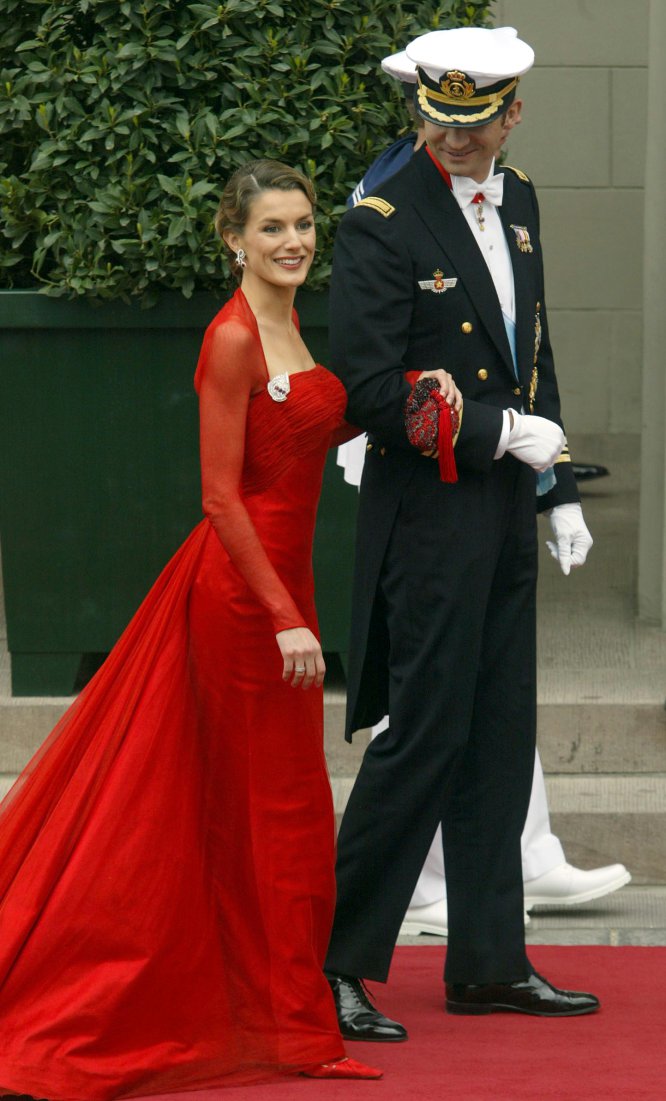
(465, 190)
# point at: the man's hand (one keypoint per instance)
(572, 539)
(534, 440)
(447, 387)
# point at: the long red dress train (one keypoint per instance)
(166, 859)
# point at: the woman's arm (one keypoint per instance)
(228, 378)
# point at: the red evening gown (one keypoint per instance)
(167, 858)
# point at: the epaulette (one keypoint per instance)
(519, 173)
(380, 205)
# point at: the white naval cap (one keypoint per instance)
(399, 66)
(468, 76)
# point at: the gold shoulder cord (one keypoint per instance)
(519, 173)
(380, 205)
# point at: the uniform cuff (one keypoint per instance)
(504, 435)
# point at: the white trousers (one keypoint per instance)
(541, 849)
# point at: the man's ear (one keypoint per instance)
(513, 116)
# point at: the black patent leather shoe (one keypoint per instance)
(533, 995)
(357, 1017)
(585, 472)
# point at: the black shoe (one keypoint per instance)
(533, 995)
(585, 472)
(357, 1017)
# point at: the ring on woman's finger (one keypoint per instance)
(299, 668)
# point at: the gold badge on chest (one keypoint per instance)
(522, 238)
(438, 284)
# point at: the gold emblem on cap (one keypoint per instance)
(457, 85)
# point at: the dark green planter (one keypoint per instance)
(99, 479)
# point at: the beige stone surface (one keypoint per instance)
(652, 558)
(592, 241)
(580, 32)
(636, 840)
(24, 724)
(626, 361)
(596, 795)
(629, 129)
(583, 142)
(612, 819)
(582, 342)
(598, 358)
(602, 738)
(592, 649)
(552, 148)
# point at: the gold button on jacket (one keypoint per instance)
(482, 374)
(466, 326)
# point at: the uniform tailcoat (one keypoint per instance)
(443, 632)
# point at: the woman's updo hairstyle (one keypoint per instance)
(247, 182)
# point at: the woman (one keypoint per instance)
(166, 860)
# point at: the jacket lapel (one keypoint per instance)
(440, 212)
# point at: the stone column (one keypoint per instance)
(652, 527)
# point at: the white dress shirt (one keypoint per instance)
(495, 251)
(491, 239)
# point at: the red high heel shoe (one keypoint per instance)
(343, 1068)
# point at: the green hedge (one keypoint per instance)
(120, 120)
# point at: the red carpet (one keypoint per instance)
(618, 1054)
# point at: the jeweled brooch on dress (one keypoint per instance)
(278, 387)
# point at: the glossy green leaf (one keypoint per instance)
(121, 120)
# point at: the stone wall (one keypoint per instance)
(582, 141)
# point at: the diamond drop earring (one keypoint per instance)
(240, 258)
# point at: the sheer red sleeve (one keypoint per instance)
(230, 373)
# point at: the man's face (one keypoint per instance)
(469, 150)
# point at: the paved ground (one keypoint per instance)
(632, 916)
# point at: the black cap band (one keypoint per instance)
(456, 100)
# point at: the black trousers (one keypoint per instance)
(457, 589)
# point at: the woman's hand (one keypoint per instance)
(303, 659)
(447, 387)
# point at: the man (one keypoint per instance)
(432, 278)
(547, 875)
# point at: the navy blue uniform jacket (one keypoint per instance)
(383, 324)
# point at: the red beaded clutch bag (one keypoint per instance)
(431, 425)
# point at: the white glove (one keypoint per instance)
(534, 440)
(572, 539)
